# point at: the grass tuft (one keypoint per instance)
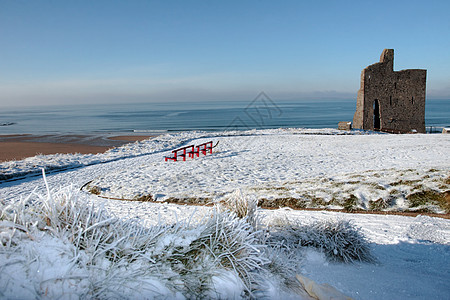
(350, 203)
(243, 206)
(381, 203)
(339, 240)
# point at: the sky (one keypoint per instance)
(108, 51)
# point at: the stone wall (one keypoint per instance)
(345, 125)
(389, 100)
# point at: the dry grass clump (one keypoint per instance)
(95, 190)
(143, 198)
(283, 202)
(381, 203)
(243, 206)
(339, 240)
(421, 200)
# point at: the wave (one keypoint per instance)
(149, 130)
(7, 124)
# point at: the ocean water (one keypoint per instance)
(150, 118)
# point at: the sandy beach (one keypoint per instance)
(17, 147)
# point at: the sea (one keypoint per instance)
(157, 118)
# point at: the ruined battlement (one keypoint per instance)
(389, 100)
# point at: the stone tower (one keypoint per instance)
(388, 100)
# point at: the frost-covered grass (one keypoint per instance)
(339, 240)
(411, 190)
(110, 257)
(63, 245)
(416, 190)
(243, 206)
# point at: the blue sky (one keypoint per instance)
(59, 52)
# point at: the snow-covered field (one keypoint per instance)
(296, 167)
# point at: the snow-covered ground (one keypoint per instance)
(316, 168)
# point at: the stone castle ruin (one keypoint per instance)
(391, 101)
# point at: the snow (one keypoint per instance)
(411, 262)
(290, 166)
(412, 253)
(33, 165)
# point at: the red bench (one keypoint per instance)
(183, 155)
(202, 148)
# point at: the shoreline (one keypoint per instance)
(21, 146)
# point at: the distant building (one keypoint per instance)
(391, 101)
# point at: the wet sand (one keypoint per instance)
(17, 147)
